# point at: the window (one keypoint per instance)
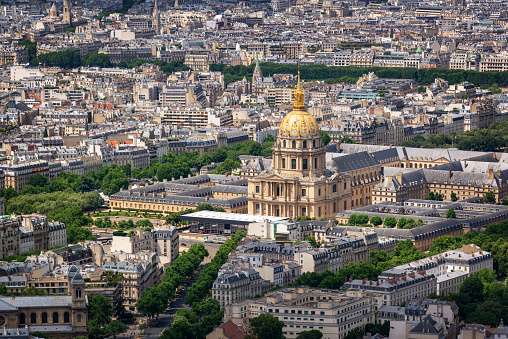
(78, 293)
(334, 188)
(257, 189)
(304, 211)
(319, 211)
(284, 143)
(315, 162)
(79, 318)
(293, 144)
(33, 318)
(55, 317)
(257, 208)
(304, 144)
(345, 185)
(304, 164)
(314, 143)
(44, 318)
(319, 192)
(283, 163)
(334, 207)
(293, 163)
(304, 192)
(22, 319)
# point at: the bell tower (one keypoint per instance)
(67, 15)
(79, 300)
(156, 20)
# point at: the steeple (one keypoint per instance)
(257, 74)
(156, 20)
(299, 104)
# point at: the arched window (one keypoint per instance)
(293, 144)
(33, 318)
(67, 317)
(22, 319)
(314, 143)
(305, 144)
(78, 293)
(334, 188)
(55, 317)
(284, 143)
(44, 318)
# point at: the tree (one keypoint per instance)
(96, 60)
(266, 326)
(32, 290)
(376, 220)
(38, 180)
(116, 327)
(473, 287)
(100, 310)
(390, 222)
(402, 222)
(489, 198)
(113, 181)
(422, 89)
(453, 197)
(450, 214)
(312, 334)
(312, 241)
(325, 137)
(45, 134)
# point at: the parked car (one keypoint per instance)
(183, 244)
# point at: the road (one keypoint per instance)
(156, 327)
(163, 322)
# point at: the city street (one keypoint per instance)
(157, 326)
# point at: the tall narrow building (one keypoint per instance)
(257, 74)
(156, 20)
(67, 15)
(299, 183)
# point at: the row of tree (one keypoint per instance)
(156, 298)
(486, 140)
(390, 222)
(201, 288)
(348, 73)
(205, 313)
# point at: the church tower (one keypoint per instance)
(156, 20)
(67, 15)
(257, 74)
(79, 300)
(299, 183)
(299, 151)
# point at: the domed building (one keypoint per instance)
(299, 183)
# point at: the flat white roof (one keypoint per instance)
(238, 217)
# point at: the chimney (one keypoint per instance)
(181, 177)
(377, 283)
(164, 180)
(491, 174)
(350, 279)
(498, 173)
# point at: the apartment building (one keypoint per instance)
(140, 271)
(333, 313)
(231, 287)
(397, 289)
(494, 62)
(451, 267)
(183, 94)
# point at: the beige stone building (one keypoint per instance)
(299, 184)
(60, 317)
(335, 314)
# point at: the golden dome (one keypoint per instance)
(299, 122)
